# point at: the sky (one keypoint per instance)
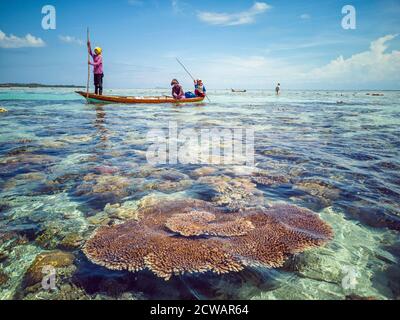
(228, 44)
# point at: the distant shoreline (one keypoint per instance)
(37, 85)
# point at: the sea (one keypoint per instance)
(68, 167)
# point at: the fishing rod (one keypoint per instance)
(187, 71)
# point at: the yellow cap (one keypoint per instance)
(98, 50)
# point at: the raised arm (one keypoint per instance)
(90, 49)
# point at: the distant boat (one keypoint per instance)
(233, 90)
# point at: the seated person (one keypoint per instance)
(200, 89)
(177, 90)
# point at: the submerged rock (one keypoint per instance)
(319, 188)
(23, 179)
(27, 158)
(19, 150)
(99, 219)
(71, 241)
(76, 139)
(3, 278)
(203, 171)
(102, 184)
(3, 256)
(66, 291)
(126, 211)
(4, 206)
(319, 191)
(169, 186)
(56, 259)
(270, 180)
(49, 238)
(106, 169)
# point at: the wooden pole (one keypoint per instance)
(88, 76)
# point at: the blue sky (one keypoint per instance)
(241, 44)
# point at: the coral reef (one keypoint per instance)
(197, 223)
(203, 171)
(27, 158)
(56, 259)
(323, 191)
(126, 211)
(49, 238)
(228, 242)
(3, 256)
(64, 292)
(269, 180)
(169, 186)
(3, 278)
(71, 241)
(104, 184)
(233, 193)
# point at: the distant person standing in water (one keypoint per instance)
(278, 89)
(97, 68)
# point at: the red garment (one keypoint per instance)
(199, 94)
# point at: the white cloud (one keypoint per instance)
(71, 40)
(234, 19)
(305, 16)
(372, 66)
(12, 42)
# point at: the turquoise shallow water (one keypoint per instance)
(64, 164)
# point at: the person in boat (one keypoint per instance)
(200, 89)
(177, 90)
(278, 89)
(97, 68)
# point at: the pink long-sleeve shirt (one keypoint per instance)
(97, 63)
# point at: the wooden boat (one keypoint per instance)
(94, 98)
(233, 90)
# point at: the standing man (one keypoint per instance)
(278, 89)
(97, 68)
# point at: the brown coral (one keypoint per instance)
(103, 184)
(269, 180)
(228, 242)
(198, 223)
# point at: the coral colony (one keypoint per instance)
(193, 236)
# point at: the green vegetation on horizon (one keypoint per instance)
(37, 85)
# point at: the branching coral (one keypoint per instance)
(187, 236)
(198, 223)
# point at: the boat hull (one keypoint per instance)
(97, 99)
